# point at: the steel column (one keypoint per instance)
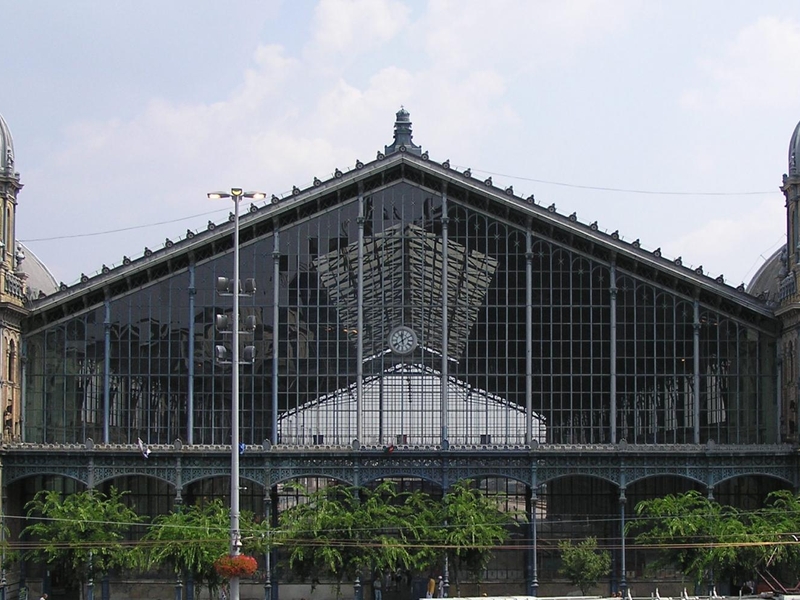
(612, 417)
(360, 320)
(529, 338)
(190, 383)
(445, 330)
(696, 359)
(276, 298)
(106, 369)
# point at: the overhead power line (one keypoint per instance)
(108, 231)
(623, 190)
(518, 177)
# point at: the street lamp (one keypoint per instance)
(236, 194)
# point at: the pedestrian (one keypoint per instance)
(377, 587)
(431, 587)
(44, 597)
(441, 587)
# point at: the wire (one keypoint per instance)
(519, 177)
(132, 227)
(624, 190)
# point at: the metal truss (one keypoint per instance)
(267, 466)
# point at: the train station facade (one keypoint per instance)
(400, 304)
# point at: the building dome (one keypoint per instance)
(765, 284)
(39, 281)
(6, 149)
(794, 152)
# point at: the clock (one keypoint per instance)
(402, 340)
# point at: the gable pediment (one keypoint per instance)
(544, 222)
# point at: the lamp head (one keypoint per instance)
(218, 195)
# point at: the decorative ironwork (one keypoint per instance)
(619, 465)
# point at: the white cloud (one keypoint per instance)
(756, 70)
(466, 70)
(733, 241)
(272, 72)
(517, 34)
(349, 27)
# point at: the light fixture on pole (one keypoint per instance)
(236, 194)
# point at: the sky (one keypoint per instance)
(668, 121)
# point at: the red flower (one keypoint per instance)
(241, 565)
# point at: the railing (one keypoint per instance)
(788, 286)
(14, 286)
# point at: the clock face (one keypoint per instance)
(402, 340)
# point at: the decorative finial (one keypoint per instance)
(402, 135)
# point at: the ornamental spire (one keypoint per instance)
(402, 135)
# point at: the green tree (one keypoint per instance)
(774, 531)
(469, 525)
(583, 564)
(703, 538)
(191, 538)
(80, 535)
(343, 532)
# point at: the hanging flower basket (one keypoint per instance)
(240, 565)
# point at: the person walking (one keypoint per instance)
(441, 587)
(431, 587)
(377, 587)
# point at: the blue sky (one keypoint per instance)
(126, 114)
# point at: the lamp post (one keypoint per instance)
(236, 194)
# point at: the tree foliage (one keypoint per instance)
(191, 538)
(696, 534)
(469, 525)
(583, 564)
(343, 531)
(775, 529)
(80, 535)
(336, 531)
(705, 539)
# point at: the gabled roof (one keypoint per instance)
(488, 412)
(386, 170)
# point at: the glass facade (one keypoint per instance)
(409, 310)
(403, 315)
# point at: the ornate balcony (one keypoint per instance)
(14, 286)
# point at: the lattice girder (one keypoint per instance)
(620, 465)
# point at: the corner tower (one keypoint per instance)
(791, 191)
(12, 308)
